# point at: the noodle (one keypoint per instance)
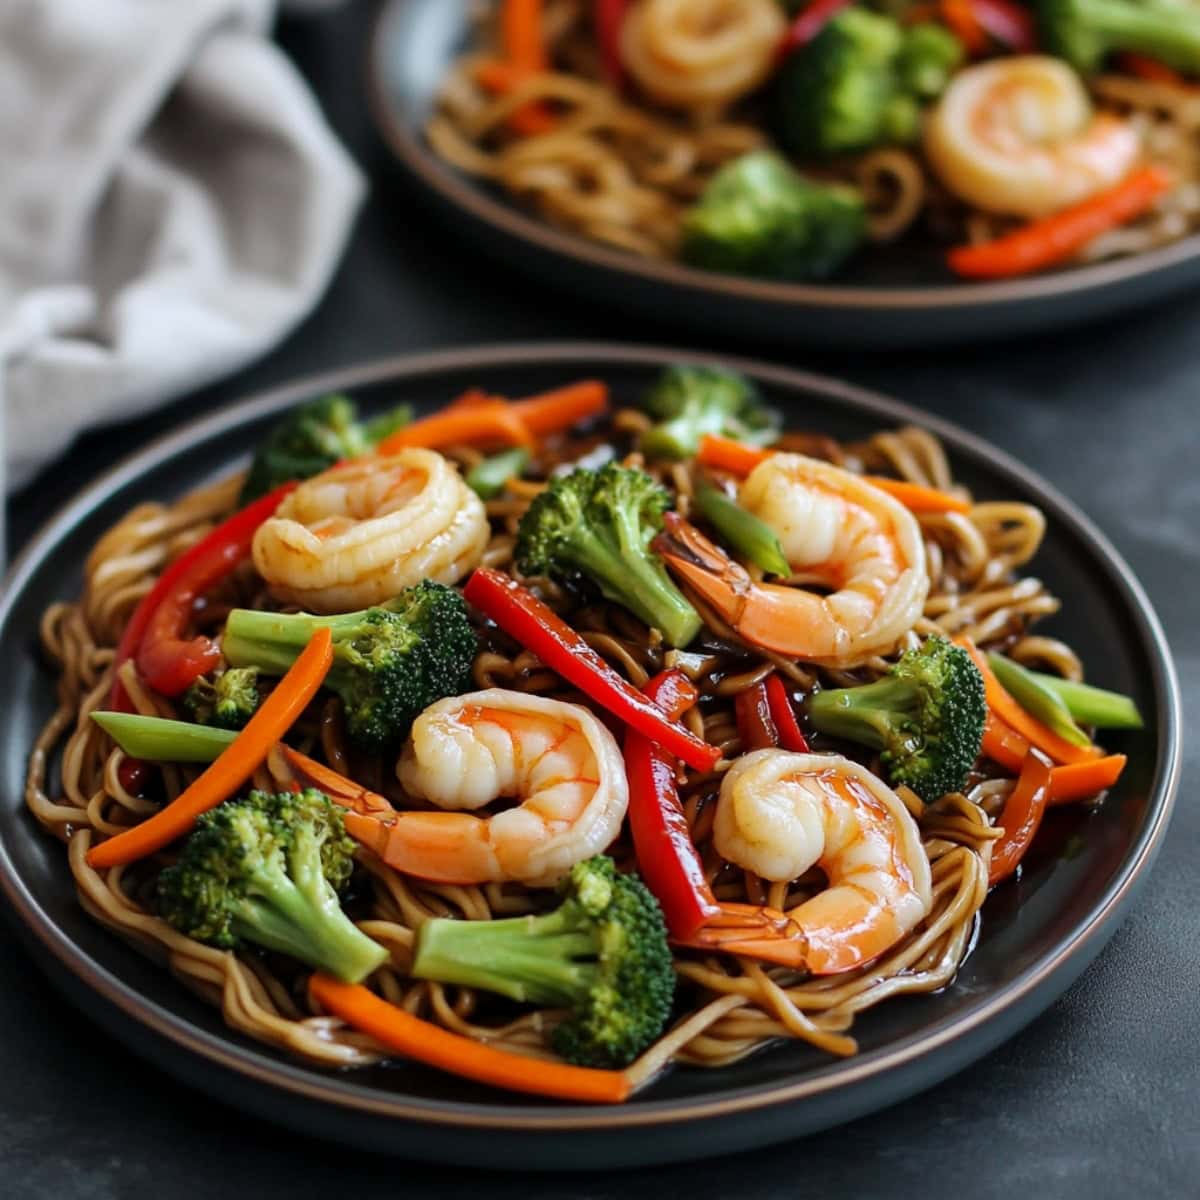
(730, 1007)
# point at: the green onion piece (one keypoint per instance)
(1037, 699)
(742, 530)
(488, 477)
(1093, 705)
(157, 739)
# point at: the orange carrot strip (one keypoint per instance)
(437, 1047)
(724, 454)
(471, 398)
(275, 716)
(466, 424)
(1039, 736)
(1055, 239)
(500, 78)
(960, 17)
(1078, 781)
(918, 498)
(561, 408)
(1003, 744)
(521, 34)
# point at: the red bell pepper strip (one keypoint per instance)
(609, 17)
(756, 728)
(195, 571)
(791, 736)
(666, 855)
(1010, 24)
(539, 628)
(809, 23)
(1022, 816)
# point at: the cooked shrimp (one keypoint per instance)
(464, 752)
(837, 531)
(1019, 136)
(360, 533)
(701, 55)
(779, 814)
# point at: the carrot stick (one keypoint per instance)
(1054, 239)
(466, 424)
(724, 454)
(521, 34)
(962, 21)
(437, 1047)
(275, 716)
(561, 408)
(1079, 781)
(1003, 744)
(1039, 736)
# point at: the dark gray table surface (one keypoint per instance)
(1100, 1097)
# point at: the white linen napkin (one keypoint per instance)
(171, 204)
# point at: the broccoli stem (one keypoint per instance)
(638, 581)
(157, 739)
(304, 919)
(528, 959)
(865, 714)
(271, 641)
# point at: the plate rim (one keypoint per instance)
(1082, 941)
(456, 189)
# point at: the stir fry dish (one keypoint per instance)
(776, 138)
(551, 743)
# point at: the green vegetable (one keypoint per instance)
(741, 531)
(925, 716)
(389, 662)
(758, 216)
(929, 54)
(1092, 705)
(600, 524)
(157, 739)
(314, 436)
(488, 477)
(859, 82)
(228, 701)
(688, 402)
(602, 953)
(1085, 32)
(267, 869)
(1037, 699)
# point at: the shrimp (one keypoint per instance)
(1018, 136)
(361, 532)
(779, 814)
(701, 55)
(466, 751)
(837, 531)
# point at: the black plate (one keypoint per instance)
(890, 297)
(1038, 934)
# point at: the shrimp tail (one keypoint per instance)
(338, 788)
(704, 567)
(756, 932)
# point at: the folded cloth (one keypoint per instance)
(171, 204)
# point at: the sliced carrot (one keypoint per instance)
(725, 454)
(960, 17)
(562, 408)
(220, 780)
(1039, 736)
(1022, 817)
(437, 1047)
(521, 34)
(1003, 744)
(500, 78)
(467, 424)
(1055, 239)
(918, 498)
(1079, 781)
(471, 398)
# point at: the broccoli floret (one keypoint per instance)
(688, 402)
(602, 953)
(1085, 32)
(311, 438)
(267, 869)
(389, 662)
(600, 524)
(925, 716)
(227, 702)
(757, 216)
(929, 55)
(857, 84)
